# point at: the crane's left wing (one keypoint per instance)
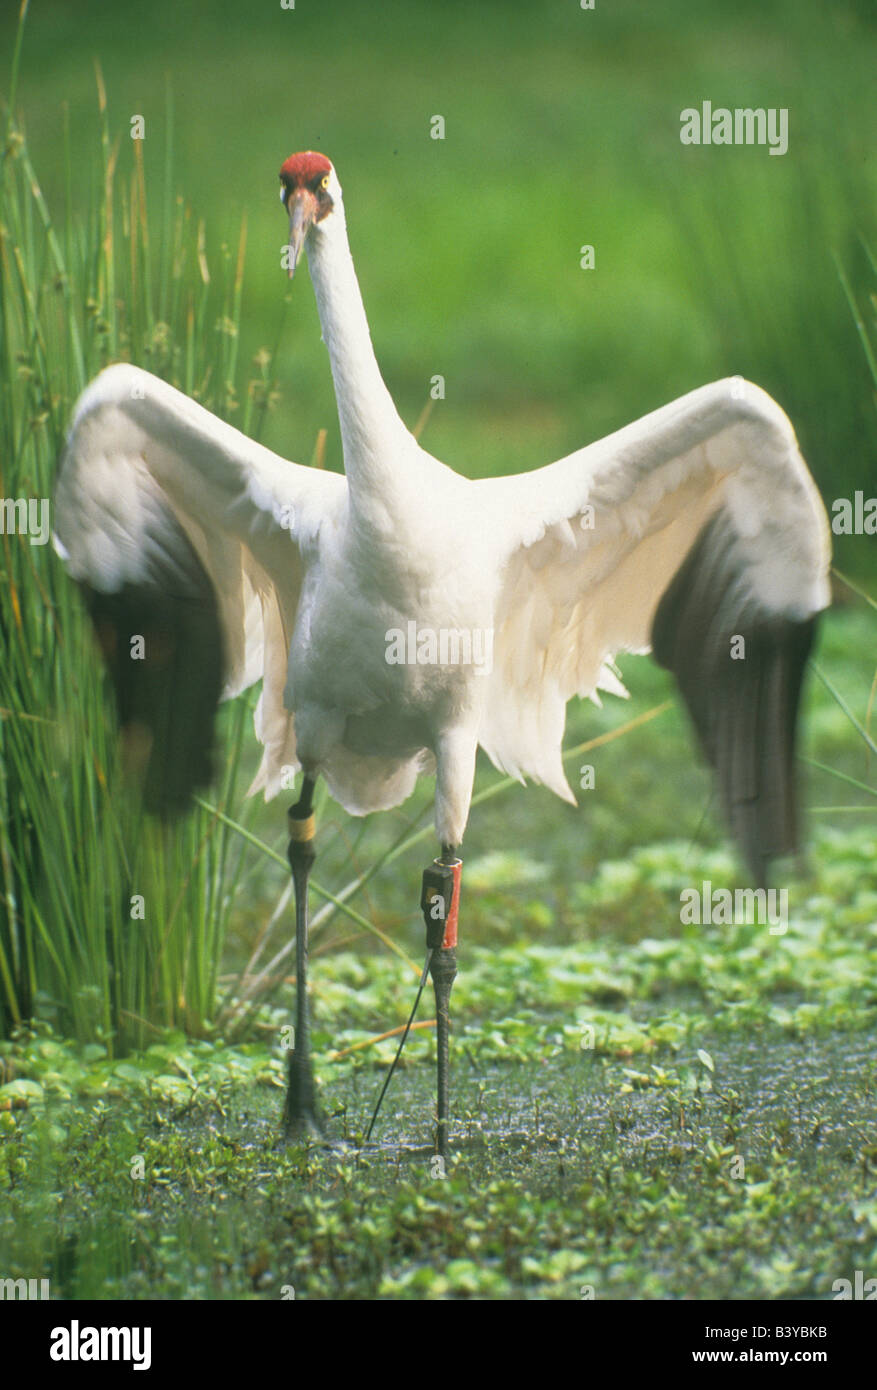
(696, 531)
(190, 542)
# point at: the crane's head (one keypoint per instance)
(309, 191)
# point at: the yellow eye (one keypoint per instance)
(324, 181)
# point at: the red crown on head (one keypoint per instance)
(304, 167)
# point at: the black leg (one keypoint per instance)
(301, 1118)
(442, 880)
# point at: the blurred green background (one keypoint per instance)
(562, 128)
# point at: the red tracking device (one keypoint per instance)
(440, 903)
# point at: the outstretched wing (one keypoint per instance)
(189, 541)
(698, 531)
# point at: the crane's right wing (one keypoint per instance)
(696, 531)
(189, 541)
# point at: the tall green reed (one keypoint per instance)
(110, 923)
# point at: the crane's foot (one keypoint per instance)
(301, 1116)
(440, 901)
(303, 1127)
(302, 1122)
(443, 969)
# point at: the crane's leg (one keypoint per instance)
(440, 900)
(301, 1118)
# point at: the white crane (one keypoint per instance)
(402, 615)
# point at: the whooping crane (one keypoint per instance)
(694, 526)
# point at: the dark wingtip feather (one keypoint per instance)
(166, 698)
(745, 711)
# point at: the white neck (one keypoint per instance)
(371, 431)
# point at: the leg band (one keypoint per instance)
(301, 829)
(440, 903)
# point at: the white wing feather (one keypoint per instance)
(579, 586)
(141, 454)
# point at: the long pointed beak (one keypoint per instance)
(302, 206)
